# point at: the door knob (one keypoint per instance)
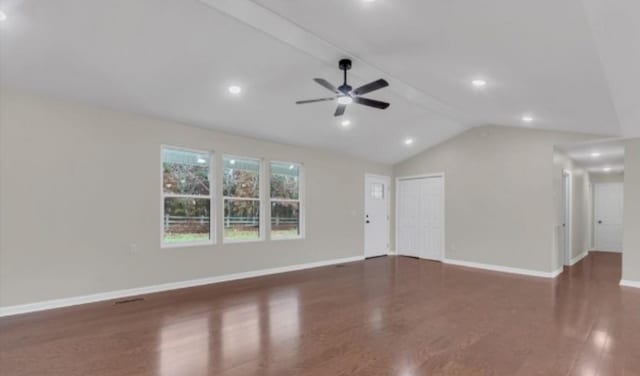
(599, 222)
(368, 221)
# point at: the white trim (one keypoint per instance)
(605, 251)
(578, 258)
(629, 283)
(503, 269)
(76, 300)
(443, 255)
(387, 197)
(567, 214)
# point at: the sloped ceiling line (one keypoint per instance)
(286, 31)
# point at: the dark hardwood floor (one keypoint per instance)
(385, 316)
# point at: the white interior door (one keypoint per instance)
(609, 207)
(420, 222)
(376, 227)
(408, 217)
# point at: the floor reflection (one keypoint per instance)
(284, 317)
(184, 348)
(240, 332)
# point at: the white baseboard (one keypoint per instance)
(600, 250)
(628, 283)
(504, 269)
(76, 300)
(578, 258)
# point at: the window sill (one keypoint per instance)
(291, 238)
(242, 241)
(186, 245)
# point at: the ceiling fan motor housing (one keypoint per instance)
(345, 64)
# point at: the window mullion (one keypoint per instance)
(177, 195)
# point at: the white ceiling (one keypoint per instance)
(611, 155)
(554, 59)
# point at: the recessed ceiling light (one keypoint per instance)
(3, 16)
(235, 89)
(368, 1)
(479, 83)
(408, 141)
(527, 118)
(345, 100)
(345, 123)
(606, 169)
(595, 154)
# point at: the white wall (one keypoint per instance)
(631, 241)
(79, 185)
(499, 194)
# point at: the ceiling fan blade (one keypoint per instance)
(340, 110)
(371, 102)
(326, 84)
(315, 100)
(371, 86)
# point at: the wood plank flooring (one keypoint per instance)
(385, 316)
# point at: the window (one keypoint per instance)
(377, 191)
(285, 200)
(186, 197)
(241, 192)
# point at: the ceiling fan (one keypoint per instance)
(346, 95)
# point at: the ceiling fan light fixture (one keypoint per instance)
(345, 95)
(345, 100)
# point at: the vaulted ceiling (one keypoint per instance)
(571, 65)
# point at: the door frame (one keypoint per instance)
(387, 198)
(444, 211)
(567, 215)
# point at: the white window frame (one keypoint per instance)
(300, 200)
(259, 199)
(211, 197)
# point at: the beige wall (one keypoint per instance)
(617, 177)
(79, 185)
(500, 194)
(631, 246)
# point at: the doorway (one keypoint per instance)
(565, 238)
(420, 217)
(376, 215)
(608, 216)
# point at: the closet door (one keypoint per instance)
(432, 218)
(420, 217)
(408, 228)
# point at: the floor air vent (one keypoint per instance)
(132, 300)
